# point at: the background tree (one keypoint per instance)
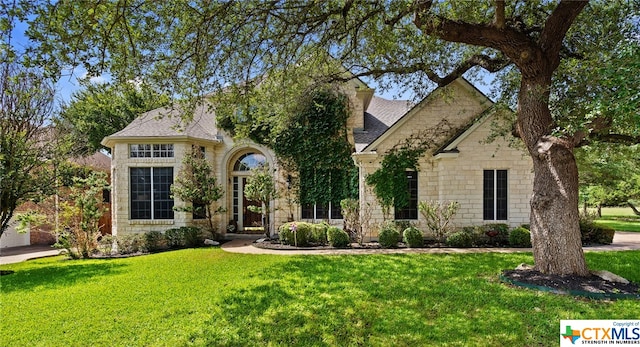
(196, 184)
(101, 109)
(261, 187)
(30, 150)
(191, 49)
(609, 174)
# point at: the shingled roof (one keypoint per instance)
(378, 118)
(164, 122)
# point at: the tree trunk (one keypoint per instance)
(635, 210)
(555, 230)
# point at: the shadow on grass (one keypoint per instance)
(398, 300)
(57, 274)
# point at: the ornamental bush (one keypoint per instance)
(520, 237)
(413, 237)
(131, 243)
(154, 241)
(192, 237)
(337, 237)
(592, 233)
(388, 236)
(184, 237)
(319, 233)
(295, 233)
(463, 239)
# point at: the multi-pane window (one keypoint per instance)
(147, 150)
(150, 192)
(494, 199)
(322, 211)
(410, 211)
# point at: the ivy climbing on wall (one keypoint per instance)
(309, 137)
(314, 144)
(389, 182)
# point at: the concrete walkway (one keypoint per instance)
(622, 241)
(11, 255)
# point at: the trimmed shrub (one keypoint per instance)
(319, 233)
(520, 237)
(388, 236)
(592, 233)
(131, 243)
(184, 237)
(597, 235)
(174, 238)
(337, 237)
(295, 233)
(463, 239)
(154, 240)
(413, 237)
(192, 237)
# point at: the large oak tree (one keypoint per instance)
(187, 48)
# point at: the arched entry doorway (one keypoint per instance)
(245, 219)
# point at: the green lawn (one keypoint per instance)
(210, 297)
(620, 218)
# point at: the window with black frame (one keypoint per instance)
(410, 211)
(494, 200)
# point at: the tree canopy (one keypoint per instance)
(549, 55)
(29, 148)
(101, 109)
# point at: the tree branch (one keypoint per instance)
(498, 20)
(482, 60)
(557, 26)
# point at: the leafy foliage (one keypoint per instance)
(196, 184)
(30, 151)
(413, 237)
(438, 216)
(101, 109)
(79, 217)
(184, 237)
(520, 237)
(261, 187)
(314, 144)
(388, 236)
(389, 182)
(337, 237)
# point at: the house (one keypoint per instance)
(491, 180)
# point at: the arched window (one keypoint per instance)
(249, 161)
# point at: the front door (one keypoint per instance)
(250, 219)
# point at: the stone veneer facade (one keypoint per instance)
(454, 174)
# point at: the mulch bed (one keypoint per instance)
(570, 284)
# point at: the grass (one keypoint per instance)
(620, 219)
(209, 297)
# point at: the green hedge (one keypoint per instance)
(388, 237)
(184, 237)
(462, 239)
(338, 238)
(296, 233)
(520, 237)
(413, 237)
